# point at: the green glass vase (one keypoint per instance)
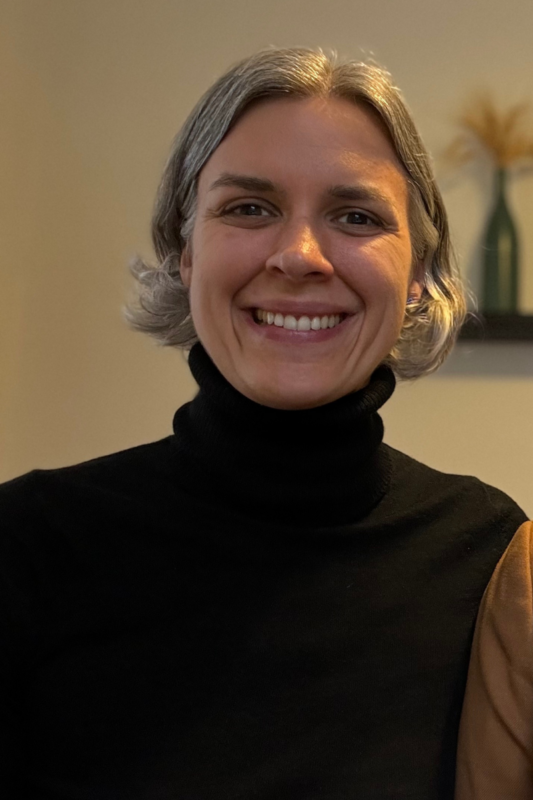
(500, 255)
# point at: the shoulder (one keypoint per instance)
(508, 600)
(59, 523)
(113, 470)
(46, 499)
(459, 500)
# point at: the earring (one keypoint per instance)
(412, 299)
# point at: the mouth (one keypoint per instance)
(297, 322)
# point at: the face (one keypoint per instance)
(299, 265)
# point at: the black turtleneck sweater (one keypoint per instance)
(266, 604)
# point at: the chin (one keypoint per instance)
(291, 387)
(295, 398)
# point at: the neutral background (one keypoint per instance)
(92, 94)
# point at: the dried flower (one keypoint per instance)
(503, 135)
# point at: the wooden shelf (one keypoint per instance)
(497, 327)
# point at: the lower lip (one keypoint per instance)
(275, 334)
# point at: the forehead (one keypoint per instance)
(311, 141)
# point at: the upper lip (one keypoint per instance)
(301, 308)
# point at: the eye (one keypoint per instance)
(358, 219)
(247, 210)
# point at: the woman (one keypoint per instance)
(270, 602)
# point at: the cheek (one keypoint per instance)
(243, 249)
(381, 274)
(224, 267)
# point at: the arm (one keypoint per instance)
(11, 713)
(18, 598)
(495, 750)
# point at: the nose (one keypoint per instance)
(299, 254)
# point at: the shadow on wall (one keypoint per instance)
(479, 359)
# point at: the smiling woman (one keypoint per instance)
(270, 602)
(434, 315)
(302, 212)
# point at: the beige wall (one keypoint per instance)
(91, 95)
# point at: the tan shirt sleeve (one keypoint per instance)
(495, 749)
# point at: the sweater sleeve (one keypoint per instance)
(17, 601)
(495, 749)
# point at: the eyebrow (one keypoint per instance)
(246, 182)
(340, 191)
(360, 192)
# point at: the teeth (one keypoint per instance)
(290, 322)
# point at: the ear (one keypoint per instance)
(186, 266)
(416, 287)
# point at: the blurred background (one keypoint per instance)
(92, 94)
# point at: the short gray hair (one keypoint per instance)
(162, 310)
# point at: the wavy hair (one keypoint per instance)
(161, 307)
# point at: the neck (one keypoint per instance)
(313, 467)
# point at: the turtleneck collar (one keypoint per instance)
(315, 467)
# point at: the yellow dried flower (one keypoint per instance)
(503, 135)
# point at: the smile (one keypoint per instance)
(301, 323)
